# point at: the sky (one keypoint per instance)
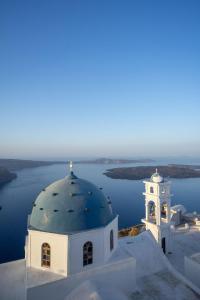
(99, 78)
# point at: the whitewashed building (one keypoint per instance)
(158, 210)
(71, 228)
(72, 250)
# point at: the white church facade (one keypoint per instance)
(72, 249)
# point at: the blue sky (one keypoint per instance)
(99, 78)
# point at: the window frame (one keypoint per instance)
(87, 253)
(45, 255)
(151, 189)
(111, 240)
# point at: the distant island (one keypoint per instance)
(196, 167)
(142, 172)
(107, 161)
(6, 176)
(19, 164)
(9, 165)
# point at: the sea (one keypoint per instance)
(17, 197)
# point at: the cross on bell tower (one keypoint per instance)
(157, 209)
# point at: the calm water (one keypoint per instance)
(17, 197)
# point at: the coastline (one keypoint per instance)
(142, 172)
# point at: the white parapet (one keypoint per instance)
(192, 268)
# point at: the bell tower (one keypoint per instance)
(157, 209)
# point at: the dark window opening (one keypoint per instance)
(151, 207)
(72, 194)
(164, 210)
(87, 253)
(46, 255)
(111, 240)
(151, 190)
(164, 245)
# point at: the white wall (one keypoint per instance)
(166, 233)
(112, 226)
(176, 218)
(154, 230)
(67, 250)
(161, 194)
(119, 275)
(159, 232)
(59, 249)
(76, 242)
(100, 239)
(192, 270)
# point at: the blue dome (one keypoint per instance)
(70, 205)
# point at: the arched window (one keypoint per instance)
(111, 240)
(151, 190)
(151, 207)
(46, 255)
(164, 210)
(87, 253)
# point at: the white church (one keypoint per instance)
(71, 229)
(73, 250)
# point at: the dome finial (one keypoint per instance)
(156, 177)
(71, 166)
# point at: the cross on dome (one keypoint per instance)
(71, 166)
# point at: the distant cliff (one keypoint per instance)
(18, 164)
(142, 172)
(6, 176)
(9, 165)
(106, 161)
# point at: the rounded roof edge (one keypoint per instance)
(156, 177)
(70, 205)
